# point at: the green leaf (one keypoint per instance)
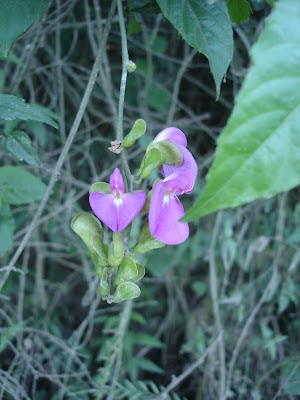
(12, 107)
(258, 152)
(15, 18)
(125, 291)
(239, 10)
(158, 99)
(9, 333)
(19, 144)
(206, 26)
(18, 186)
(148, 365)
(290, 377)
(144, 6)
(7, 227)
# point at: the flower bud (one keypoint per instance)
(125, 291)
(103, 287)
(131, 67)
(88, 227)
(116, 250)
(146, 242)
(127, 271)
(137, 131)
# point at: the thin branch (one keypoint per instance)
(68, 143)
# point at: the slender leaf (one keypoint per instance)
(258, 152)
(18, 186)
(7, 227)
(12, 107)
(206, 26)
(16, 16)
(19, 144)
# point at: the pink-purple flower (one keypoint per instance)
(176, 136)
(165, 208)
(118, 209)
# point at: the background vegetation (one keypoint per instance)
(218, 314)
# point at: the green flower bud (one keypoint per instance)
(138, 129)
(116, 250)
(127, 271)
(131, 67)
(125, 291)
(100, 187)
(146, 242)
(88, 227)
(103, 287)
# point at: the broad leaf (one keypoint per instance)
(16, 16)
(18, 186)
(12, 107)
(239, 10)
(7, 227)
(258, 152)
(19, 144)
(206, 26)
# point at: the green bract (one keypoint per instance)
(89, 229)
(127, 271)
(125, 291)
(137, 131)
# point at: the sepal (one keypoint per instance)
(100, 187)
(146, 242)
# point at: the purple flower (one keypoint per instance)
(166, 210)
(176, 136)
(118, 209)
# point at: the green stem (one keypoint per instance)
(125, 59)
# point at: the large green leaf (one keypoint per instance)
(258, 152)
(16, 16)
(206, 26)
(19, 144)
(7, 227)
(12, 107)
(18, 186)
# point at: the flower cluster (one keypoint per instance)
(118, 209)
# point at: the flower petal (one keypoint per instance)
(130, 208)
(188, 164)
(164, 214)
(173, 134)
(156, 203)
(180, 182)
(116, 182)
(105, 209)
(116, 212)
